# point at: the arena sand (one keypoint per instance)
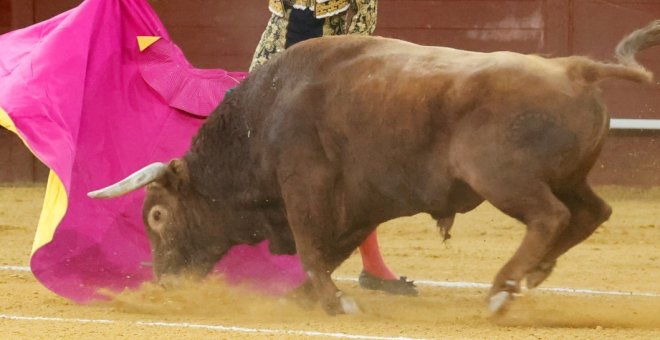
(622, 255)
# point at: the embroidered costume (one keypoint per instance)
(293, 21)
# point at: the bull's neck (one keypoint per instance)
(219, 158)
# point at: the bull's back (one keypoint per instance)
(381, 101)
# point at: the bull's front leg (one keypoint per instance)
(333, 300)
(314, 227)
(319, 265)
(320, 288)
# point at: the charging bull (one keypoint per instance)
(337, 135)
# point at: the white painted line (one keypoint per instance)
(465, 284)
(481, 285)
(273, 331)
(234, 329)
(597, 292)
(634, 124)
(45, 318)
(15, 268)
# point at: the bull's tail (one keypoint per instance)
(627, 68)
(638, 40)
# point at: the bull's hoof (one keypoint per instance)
(537, 275)
(501, 294)
(349, 305)
(498, 302)
(343, 304)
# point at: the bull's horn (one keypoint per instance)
(136, 180)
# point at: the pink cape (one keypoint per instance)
(94, 108)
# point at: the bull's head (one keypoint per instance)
(174, 217)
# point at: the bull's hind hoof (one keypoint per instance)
(537, 275)
(502, 295)
(498, 302)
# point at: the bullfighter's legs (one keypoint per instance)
(545, 215)
(376, 275)
(372, 260)
(588, 211)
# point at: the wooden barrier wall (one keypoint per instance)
(223, 33)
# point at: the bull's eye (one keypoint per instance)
(157, 218)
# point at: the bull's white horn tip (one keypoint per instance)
(95, 194)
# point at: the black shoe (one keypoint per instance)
(396, 287)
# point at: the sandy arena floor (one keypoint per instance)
(623, 255)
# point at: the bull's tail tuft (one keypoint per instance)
(636, 41)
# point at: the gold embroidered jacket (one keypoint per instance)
(321, 8)
(335, 13)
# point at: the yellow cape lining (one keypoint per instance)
(56, 200)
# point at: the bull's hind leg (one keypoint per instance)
(588, 211)
(534, 204)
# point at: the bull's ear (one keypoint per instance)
(179, 169)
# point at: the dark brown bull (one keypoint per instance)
(337, 135)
